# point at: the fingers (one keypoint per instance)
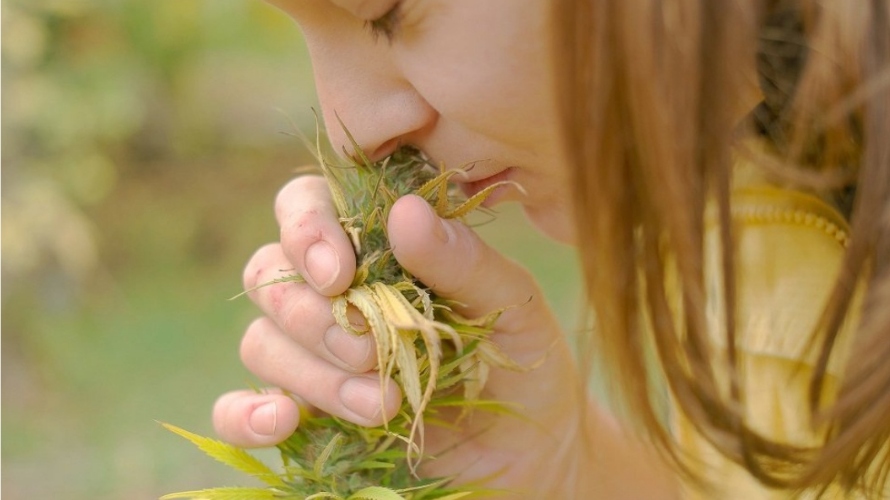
(251, 420)
(298, 346)
(304, 315)
(275, 358)
(311, 235)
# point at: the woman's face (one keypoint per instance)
(466, 81)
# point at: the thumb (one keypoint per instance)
(455, 263)
(451, 259)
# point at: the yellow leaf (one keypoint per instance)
(385, 336)
(434, 185)
(396, 308)
(293, 278)
(476, 200)
(375, 493)
(232, 456)
(493, 355)
(409, 372)
(226, 493)
(340, 310)
(475, 376)
(456, 496)
(485, 321)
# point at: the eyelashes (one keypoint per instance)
(387, 25)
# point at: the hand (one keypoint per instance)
(298, 347)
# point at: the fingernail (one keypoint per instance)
(264, 419)
(353, 350)
(322, 264)
(362, 396)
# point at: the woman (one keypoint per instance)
(713, 237)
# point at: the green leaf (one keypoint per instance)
(375, 493)
(326, 453)
(359, 152)
(226, 493)
(455, 496)
(333, 184)
(374, 464)
(324, 495)
(292, 278)
(230, 455)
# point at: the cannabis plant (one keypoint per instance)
(439, 358)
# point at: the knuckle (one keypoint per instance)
(299, 194)
(222, 414)
(293, 316)
(258, 266)
(304, 316)
(273, 298)
(253, 344)
(302, 228)
(292, 190)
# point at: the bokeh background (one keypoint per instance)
(143, 142)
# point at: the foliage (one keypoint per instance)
(439, 358)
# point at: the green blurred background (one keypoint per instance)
(143, 143)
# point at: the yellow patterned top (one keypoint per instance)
(789, 250)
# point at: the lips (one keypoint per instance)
(472, 188)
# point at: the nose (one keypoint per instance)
(360, 85)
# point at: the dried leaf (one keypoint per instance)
(339, 306)
(493, 355)
(409, 372)
(396, 308)
(385, 335)
(475, 376)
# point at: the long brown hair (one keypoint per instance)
(650, 94)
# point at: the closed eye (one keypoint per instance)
(386, 25)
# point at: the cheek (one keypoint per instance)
(489, 72)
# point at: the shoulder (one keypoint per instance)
(788, 251)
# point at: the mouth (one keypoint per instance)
(472, 188)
